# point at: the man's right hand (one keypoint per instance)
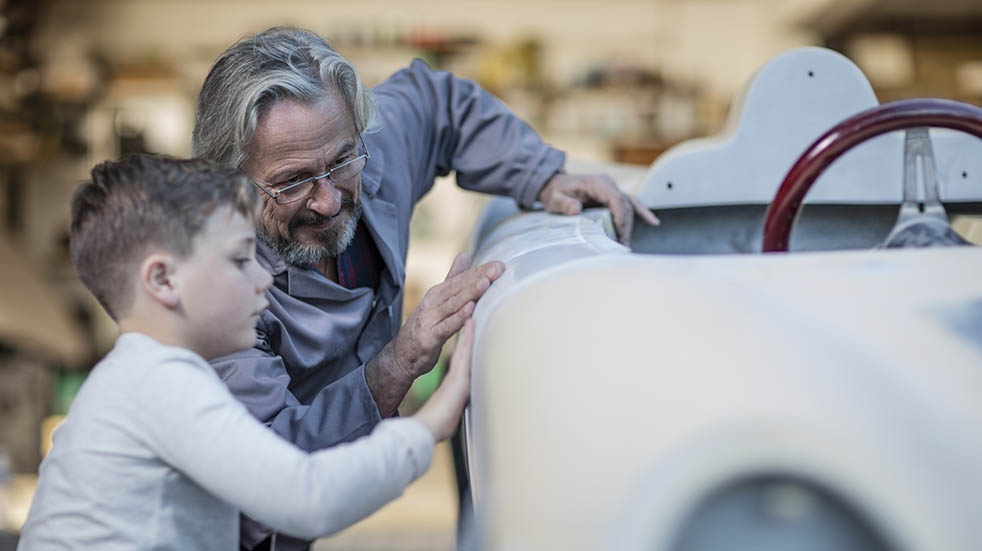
(442, 312)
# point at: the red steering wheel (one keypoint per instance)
(897, 115)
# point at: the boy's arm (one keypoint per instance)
(197, 427)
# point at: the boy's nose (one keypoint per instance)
(264, 280)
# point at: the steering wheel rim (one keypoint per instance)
(897, 115)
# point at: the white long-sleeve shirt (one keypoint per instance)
(155, 453)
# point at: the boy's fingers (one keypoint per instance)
(461, 359)
(466, 339)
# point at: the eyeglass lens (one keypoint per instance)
(338, 175)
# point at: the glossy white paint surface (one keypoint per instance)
(611, 392)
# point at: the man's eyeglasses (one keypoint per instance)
(291, 192)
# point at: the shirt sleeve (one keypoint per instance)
(340, 412)
(234, 457)
(451, 123)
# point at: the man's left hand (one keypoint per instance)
(571, 193)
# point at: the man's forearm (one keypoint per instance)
(387, 380)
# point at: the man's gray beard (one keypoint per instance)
(299, 254)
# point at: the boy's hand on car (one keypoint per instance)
(441, 413)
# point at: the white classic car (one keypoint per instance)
(690, 392)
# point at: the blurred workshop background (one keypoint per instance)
(82, 81)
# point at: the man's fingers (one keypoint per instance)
(623, 214)
(460, 263)
(622, 207)
(562, 203)
(457, 302)
(453, 323)
(447, 298)
(456, 283)
(569, 194)
(604, 191)
(643, 211)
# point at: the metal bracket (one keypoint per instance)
(917, 146)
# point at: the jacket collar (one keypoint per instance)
(379, 215)
(301, 281)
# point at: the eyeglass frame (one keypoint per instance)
(276, 193)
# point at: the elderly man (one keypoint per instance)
(341, 168)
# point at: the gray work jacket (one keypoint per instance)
(305, 377)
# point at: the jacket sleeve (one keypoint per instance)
(341, 412)
(449, 123)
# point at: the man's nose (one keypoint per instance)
(325, 198)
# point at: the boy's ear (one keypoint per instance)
(157, 273)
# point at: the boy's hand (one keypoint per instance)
(441, 413)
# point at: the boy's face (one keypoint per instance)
(222, 287)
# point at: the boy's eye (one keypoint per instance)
(241, 262)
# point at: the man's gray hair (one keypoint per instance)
(256, 72)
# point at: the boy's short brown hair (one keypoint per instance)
(144, 202)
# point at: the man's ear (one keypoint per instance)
(157, 278)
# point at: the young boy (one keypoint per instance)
(155, 452)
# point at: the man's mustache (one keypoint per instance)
(313, 218)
